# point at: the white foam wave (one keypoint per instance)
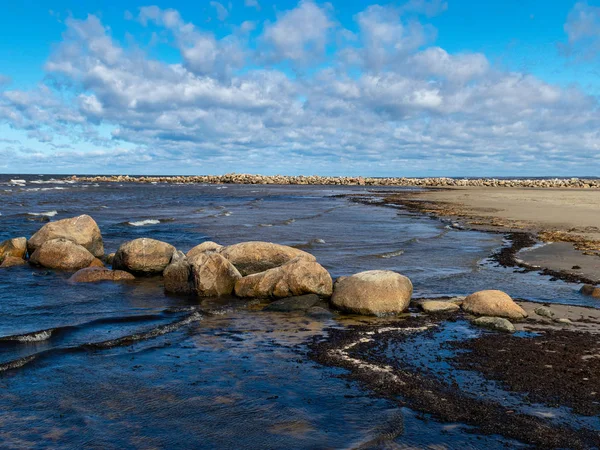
(392, 254)
(47, 214)
(33, 337)
(141, 223)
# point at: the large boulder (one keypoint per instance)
(143, 256)
(375, 292)
(493, 303)
(95, 274)
(297, 277)
(256, 257)
(205, 247)
(16, 248)
(178, 276)
(213, 275)
(82, 230)
(62, 254)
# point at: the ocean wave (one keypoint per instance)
(17, 363)
(47, 213)
(18, 182)
(141, 223)
(310, 244)
(137, 337)
(391, 254)
(36, 336)
(52, 181)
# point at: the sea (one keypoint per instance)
(123, 365)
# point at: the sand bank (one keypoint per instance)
(568, 220)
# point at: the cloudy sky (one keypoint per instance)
(345, 87)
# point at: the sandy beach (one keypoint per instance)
(566, 219)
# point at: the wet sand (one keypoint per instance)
(566, 219)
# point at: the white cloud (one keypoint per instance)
(222, 12)
(299, 35)
(583, 31)
(252, 4)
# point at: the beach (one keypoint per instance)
(567, 220)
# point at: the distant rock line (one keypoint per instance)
(234, 178)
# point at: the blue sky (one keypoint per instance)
(407, 88)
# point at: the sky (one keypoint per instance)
(345, 87)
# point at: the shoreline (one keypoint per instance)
(429, 182)
(563, 220)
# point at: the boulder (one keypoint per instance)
(437, 306)
(82, 230)
(12, 261)
(96, 263)
(16, 247)
(109, 258)
(61, 254)
(94, 274)
(255, 257)
(144, 256)
(375, 292)
(495, 323)
(213, 275)
(297, 303)
(544, 312)
(178, 275)
(297, 277)
(205, 247)
(591, 291)
(493, 303)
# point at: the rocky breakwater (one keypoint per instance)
(440, 182)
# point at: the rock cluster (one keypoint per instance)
(290, 278)
(238, 178)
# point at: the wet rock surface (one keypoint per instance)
(12, 261)
(298, 303)
(96, 274)
(16, 247)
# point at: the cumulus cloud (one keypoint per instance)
(411, 107)
(298, 35)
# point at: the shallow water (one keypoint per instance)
(221, 373)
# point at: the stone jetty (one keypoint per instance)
(239, 178)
